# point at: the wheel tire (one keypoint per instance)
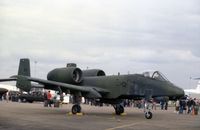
(148, 115)
(79, 108)
(76, 109)
(119, 109)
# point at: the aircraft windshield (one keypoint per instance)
(155, 75)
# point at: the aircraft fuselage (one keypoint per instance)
(133, 86)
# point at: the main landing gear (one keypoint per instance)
(76, 109)
(119, 109)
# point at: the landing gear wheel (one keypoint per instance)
(148, 115)
(119, 109)
(76, 109)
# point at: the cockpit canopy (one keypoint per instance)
(155, 75)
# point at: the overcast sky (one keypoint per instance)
(113, 35)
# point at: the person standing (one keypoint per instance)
(189, 106)
(177, 105)
(49, 98)
(7, 96)
(166, 105)
(45, 99)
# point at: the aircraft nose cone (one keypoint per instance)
(180, 92)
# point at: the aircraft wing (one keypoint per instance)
(91, 91)
(8, 79)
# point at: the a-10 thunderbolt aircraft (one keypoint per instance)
(94, 84)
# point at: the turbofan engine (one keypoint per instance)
(93, 72)
(70, 75)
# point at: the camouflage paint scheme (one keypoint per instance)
(95, 84)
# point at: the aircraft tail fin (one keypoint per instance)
(24, 70)
(24, 67)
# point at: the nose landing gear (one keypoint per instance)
(147, 110)
(148, 115)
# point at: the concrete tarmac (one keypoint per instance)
(25, 116)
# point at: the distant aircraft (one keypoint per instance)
(94, 84)
(193, 91)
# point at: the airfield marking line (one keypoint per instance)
(124, 126)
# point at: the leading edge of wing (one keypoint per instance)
(8, 79)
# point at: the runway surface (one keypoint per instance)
(25, 116)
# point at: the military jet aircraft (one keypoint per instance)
(194, 91)
(94, 84)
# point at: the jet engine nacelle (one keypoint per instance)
(70, 75)
(93, 72)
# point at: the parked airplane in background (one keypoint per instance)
(191, 92)
(94, 84)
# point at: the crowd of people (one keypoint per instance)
(50, 99)
(10, 96)
(187, 105)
